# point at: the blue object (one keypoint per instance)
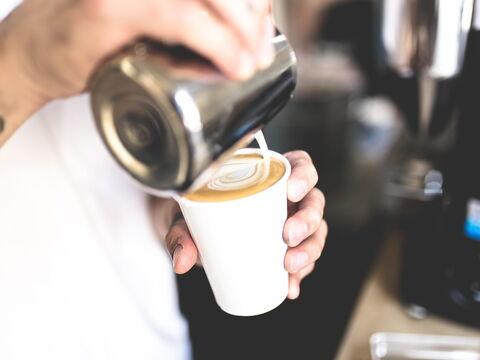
(472, 229)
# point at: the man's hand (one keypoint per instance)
(49, 48)
(305, 230)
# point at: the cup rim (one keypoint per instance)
(276, 155)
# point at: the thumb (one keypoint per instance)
(181, 247)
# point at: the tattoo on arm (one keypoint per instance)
(2, 124)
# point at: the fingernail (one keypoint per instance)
(246, 66)
(298, 262)
(176, 253)
(297, 232)
(297, 189)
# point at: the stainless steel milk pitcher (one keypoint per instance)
(167, 116)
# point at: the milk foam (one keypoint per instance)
(241, 176)
(237, 174)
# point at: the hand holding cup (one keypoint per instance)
(304, 231)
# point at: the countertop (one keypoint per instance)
(379, 310)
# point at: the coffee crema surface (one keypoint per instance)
(241, 176)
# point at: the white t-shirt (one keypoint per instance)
(82, 274)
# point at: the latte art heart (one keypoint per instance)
(238, 174)
(241, 176)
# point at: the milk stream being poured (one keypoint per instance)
(241, 172)
(262, 143)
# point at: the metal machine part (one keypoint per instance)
(422, 47)
(408, 346)
(432, 75)
(423, 44)
(427, 36)
(167, 115)
(416, 180)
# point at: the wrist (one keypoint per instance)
(18, 98)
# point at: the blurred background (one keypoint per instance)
(387, 111)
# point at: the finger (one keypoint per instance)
(303, 177)
(307, 252)
(265, 52)
(296, 279)
(193, 25)
(240, 14)
(306, 220)
(181, 247)
(293, 287)
(260, 6)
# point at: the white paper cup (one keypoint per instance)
(241, 246)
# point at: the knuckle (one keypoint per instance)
(288, 154)
(304, 155)
(314, 217)
(308, 270)
(317, 252)
(182, 229)
(319, 245)
(298, 156)
(318, 197)
(321, 197)
(320, 249)
(324, 229)
(301, 162)
(174, 235)
(316, 194)
(314, 175)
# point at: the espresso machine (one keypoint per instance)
(429, 52)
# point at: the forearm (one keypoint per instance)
(17, 98)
